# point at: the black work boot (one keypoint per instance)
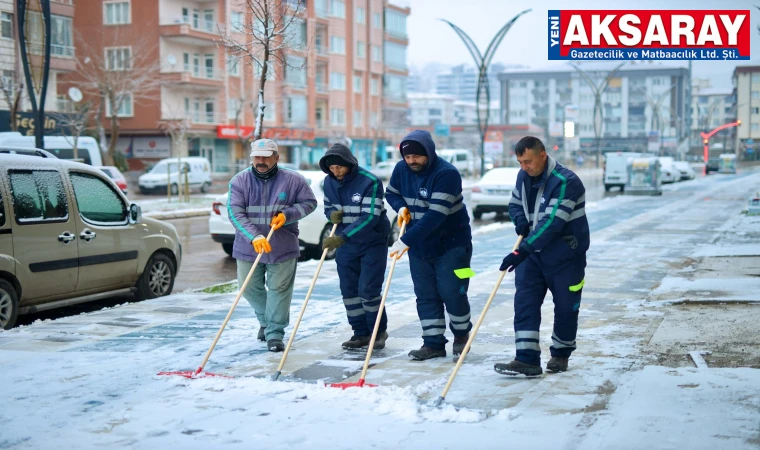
(557, 364)
(459, 344)
(427, 353)
(356, 342)
(275, 345)
(380, 340)
(261, 334)
(518, 368)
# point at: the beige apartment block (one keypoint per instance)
(345, 81)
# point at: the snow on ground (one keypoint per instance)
(91, 381)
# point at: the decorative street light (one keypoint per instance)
(482, 61)
(36, 63)
(598, 90)
(706, 137)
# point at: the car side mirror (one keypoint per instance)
(135, 213)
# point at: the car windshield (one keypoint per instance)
(506, 176)
(161, 167)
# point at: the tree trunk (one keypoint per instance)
(260, 114)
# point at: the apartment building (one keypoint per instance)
(62, 60)
(340, 81)
(746, 81)
(644, 100)
(711, 108)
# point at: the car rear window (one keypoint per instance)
(38, 196)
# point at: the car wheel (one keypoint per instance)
(227, 249)
(477, 214)
(204, 187)
(607, 187)
(157, 279)
(175, 189)
(8, 305)
(318, 249)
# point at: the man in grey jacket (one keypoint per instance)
(262, 197)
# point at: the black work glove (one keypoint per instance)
(522, 229)
(336, 217)
(332, 242)
(513, 260)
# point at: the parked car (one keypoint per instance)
(198, 175)
(384, 170)
(615, 172)
(68, 235)
(117, 177)
(88, 150)
(459, 158)
(713, 164)
(313, 229)
(687, 172)
(493, 191)
(668, 171)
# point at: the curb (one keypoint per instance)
(165, 215)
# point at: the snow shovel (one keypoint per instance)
(198, 373)
(303, 308)
(380, 310)
(474, 331)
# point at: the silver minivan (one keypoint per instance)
(69, 235)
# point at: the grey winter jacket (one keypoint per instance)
(253, 202)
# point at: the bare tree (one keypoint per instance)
(75, 123)
(13, 90)
(242, 103)
(264, 42)
(117, 76)
(178, 126)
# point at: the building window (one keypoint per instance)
(338, 116)
(357, 83)
(125, 106)
(373, 86)
(61, 37)
(361, 16)
(6, 25)
(297, 110)
(377, 20)
(755, 110)
(116, 13)
(755, 94)
(357, 119)
(270, 70)
(295, 75)
(361, 50)
(338, 8)
(394, 87)
(377, 54)
(237, 21)
(395, 55)
(756, 77)
(118, 58)
(233, 65)
(756, 127)
(337, 45)
(395, 23)
(337, 81)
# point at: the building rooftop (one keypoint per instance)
(593, 66)
(712, 92)
(428, 96)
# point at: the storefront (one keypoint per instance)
(143, 151)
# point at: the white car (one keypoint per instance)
(384, 170)
(198, 175)
(493, 191)
(312, 229)
(687, 172)
(668, 171)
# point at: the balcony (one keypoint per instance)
(323, 50)
(322, 88)
(206, 117)
(208, 78)
(201, 33)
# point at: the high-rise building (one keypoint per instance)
(344, 79)
(461, 82)
(62, 60)
(746, 81)
(642, 101)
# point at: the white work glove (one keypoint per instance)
(398, 249)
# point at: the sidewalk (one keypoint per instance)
(163, 209)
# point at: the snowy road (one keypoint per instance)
(667, 276)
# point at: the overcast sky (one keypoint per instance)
(431, 40)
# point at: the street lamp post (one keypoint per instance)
(706, 138)
(598, 90)
(36, 66)
(482, 61)
(655, 104)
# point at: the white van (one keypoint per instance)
(88, 150)
(198, 175)
(616, 169)
(459, 158)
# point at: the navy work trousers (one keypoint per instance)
(531, 283)
(436, 286)
(361, 268)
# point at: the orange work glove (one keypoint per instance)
(278, 221)
(403, 216)
(261, 245)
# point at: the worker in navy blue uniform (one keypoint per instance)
(548, 209)
(354, 200)
(426, 191)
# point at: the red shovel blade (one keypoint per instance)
(344, 386)
(194, 374)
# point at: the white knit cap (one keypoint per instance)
(263, 147)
